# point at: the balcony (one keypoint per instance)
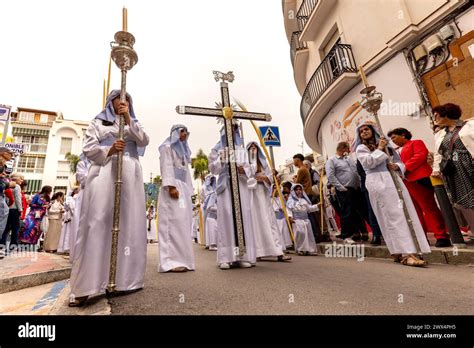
(299, 58)
(336, 74)
(304, 12)
(296, 45)
(310, 16)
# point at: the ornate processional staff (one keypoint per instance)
(125, 58)
(371, 101)
(228, 115)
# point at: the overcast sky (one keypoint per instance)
(55, 55)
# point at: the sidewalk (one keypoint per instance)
(450, 255)
(49, 299)
(26, 269)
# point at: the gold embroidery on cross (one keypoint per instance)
(227, 112)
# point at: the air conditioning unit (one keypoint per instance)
(419, 52)
(433, 44)
(447, 32)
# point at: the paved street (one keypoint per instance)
(307, 285)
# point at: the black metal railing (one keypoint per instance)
(296, 45)
(338, 61)
(304, 12)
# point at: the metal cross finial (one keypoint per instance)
(229, 76)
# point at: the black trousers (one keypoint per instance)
(13, 224)
(369, 215)
(352, 222)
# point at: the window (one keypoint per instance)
(36, 143)
(30, 164)
(66, 145)
(44, 118)
(27, 116)
(62, 189)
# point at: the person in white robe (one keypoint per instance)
(210, 211)
(195, 227)
(226, 243)
(91, 264)
(370, 151)
(175, 206)
(281, 221)
(152, 233)
(299, 205)
(82, 170)
(66, 231)
(268, 240)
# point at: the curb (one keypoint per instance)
(33, 279)
(451, 256)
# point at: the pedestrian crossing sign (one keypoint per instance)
(271, 135)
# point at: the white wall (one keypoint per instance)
(63, 129)
(394, 81)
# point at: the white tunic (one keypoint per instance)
(386, 206)
(152, 233)
(67, 229)
(195, 225)
(90, 271)
(226, 244)
(282, 224)
(81, 175)
(302, 227)
(268, 241)
(176, 215)
(211, 225)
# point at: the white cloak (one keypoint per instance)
(90, 271)
(267, 233)
(226, 244)
(385, 203)
(81, 176)
(282, 225)
(176, 215)
(66, 231)
(302, 228)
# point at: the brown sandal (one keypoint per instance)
(284, 258)
(413, 261)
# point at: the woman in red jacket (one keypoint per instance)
(417, 180)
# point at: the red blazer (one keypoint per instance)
(413, 155)
(24, 204)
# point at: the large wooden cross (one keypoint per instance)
(228, 114)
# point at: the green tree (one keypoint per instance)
(157, 180)
(73, 160)
(200, 165)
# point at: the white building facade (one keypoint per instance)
(49, 138)
(417, 53)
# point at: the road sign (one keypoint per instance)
(271, 135)
(4, 112)
(16, 148)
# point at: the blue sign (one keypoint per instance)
(271, 135)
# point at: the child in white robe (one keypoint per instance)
(299, 205)
(281, 221)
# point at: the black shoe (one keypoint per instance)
(339, 236)
(376, 241)
(442, 243)
(365, 237)
(356, 237)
